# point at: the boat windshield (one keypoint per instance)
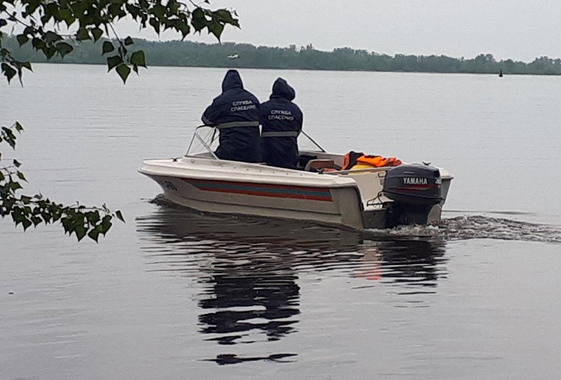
(205, 142)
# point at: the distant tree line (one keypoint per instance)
(194, 54)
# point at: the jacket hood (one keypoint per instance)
(281, 89)
(232, 80)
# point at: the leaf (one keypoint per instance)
(159, 11)
(182, 27)
(82, 34)
(3, 22)
(94, 234)
(16, 163)
(97, 33)
(105, 224)
(216, 28)
(198, 20)
(67, 224)
(173, 8)
(14, 186)
(107, 47)
(46, 216)
(119, 216)
(8, 71)
(27, 65)
(93, 217)
(51, 37)
(133, 10)
(18, 126)
(21, 176)
(64, 48)
(49, 52)
(67, 17)
(80, 231)
(123, 71)
(26, 223)
(138, 58)
(128, 41)
(22, 39)
(155, 25)
(226, 16)
(113, 61)
(37, 43)
(17, 217)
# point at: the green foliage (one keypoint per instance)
(139, 58)
(41, 26)
(123, 70)
(107, 47)
(33, 210)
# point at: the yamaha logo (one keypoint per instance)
(415, 181)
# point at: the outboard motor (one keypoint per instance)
(414, 189)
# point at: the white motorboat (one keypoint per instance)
(376, 197)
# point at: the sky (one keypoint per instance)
(517, 29)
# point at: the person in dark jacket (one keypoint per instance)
(236, 115)
(281, 122)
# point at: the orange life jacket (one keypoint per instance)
(356, 158)
(351, 159)
(379, 161)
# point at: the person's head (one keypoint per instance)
(281, 89)
(232, 80)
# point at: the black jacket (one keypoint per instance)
(236, 115)
(282, 122)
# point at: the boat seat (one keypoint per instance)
(319, 163)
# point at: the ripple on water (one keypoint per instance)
(477, 227)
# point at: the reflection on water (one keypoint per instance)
(242, 302)
(250, 269)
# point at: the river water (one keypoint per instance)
(173, 294)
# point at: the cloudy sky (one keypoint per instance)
(518, 29)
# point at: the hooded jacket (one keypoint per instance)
(282, 122)
(236, 115)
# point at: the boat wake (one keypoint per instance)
(477, 227)
(462, 227)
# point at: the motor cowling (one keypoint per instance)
(414, 189)
(413, 184)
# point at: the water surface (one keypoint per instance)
(174, 294)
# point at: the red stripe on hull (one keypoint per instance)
(265, 186)
(266, 194)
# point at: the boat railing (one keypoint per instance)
(313, 141)
(212, 136)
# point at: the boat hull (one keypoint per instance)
(351, 200)
(259, 193)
